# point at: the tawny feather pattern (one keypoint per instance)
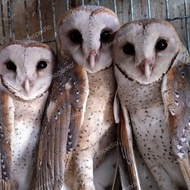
(83, 35)
(62, 120)
(176, 98)
(146, 73)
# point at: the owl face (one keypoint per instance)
(86, 34)
(26, 69)
(144, 50)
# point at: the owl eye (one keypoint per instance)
(41, 65)
(106, 36)
(75, 36)
(11, 66)
(161, 45)
(129, 49)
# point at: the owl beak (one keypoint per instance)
(26, 85)
(147, 66)
(92, 59)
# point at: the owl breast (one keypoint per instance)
(149, 125)
(99, 121)
(98, 132)
(24, 140)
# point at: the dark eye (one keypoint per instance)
(161, 45)
(41, 65)
(11, 66)
(105, 36)
(75, 36)
(129, 49)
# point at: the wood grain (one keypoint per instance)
(33, 20)
(19, 19)
(22, 17)
(47, 20)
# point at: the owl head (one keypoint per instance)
(86, 33)
(26, 69)
(144, 50)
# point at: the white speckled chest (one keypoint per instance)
(97, 133)
(24, 140)
(149, 125)
(99, 109)
(146, 109)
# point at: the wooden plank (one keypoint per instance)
(124, 11)
(188, 24)
(33, 20)
(89, 2)
(176, 9)
(47, 20)
(5, 21)
(140, 8)
(158, 9)
(19, 21)
(188, 35)
(1, 27)
(74, 3)
(60, 8)
(109, 4)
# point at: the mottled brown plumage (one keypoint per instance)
(144, 60)
(85, 33)
(78, 121)
(61, 122)
(176, 93)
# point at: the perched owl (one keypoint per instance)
(25, 75)
(145, 63)
(84, 34)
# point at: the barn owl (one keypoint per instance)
(84, 35)
(25, 75)
(146, 54)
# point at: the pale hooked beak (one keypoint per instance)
(147, 66)
(27, 85)
(92, 59)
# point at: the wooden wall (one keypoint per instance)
(36, 19)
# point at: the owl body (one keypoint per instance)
(99, 113)
(98, 123)
(26, 73)
(88, 43)
(150, 129)
(25, 136)
(148, 51)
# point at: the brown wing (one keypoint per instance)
(6, 125)
(134, 173)
(127, 168)
(176, 96)
(62, 120)
(132, 169)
